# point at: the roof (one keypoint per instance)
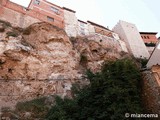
(154, 33)
(98, 25)
(82, 21)
(69, 9)
(46, 2)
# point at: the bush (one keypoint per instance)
(37, 107)
(111, 93)
(12, 33)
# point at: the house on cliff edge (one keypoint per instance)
(129, 33)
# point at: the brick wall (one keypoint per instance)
(148, 38)
(23, 17)
(44, 8)
(17, 18)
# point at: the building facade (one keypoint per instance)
(38, 11)
(53, 14)
(65, 18)
(149, 37)
(82, 28)
(101, 29)
(71, 22)
(17, 15)
(150, 40)
(129, 33)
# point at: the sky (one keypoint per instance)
(143, 13)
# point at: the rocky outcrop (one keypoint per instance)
(95, 49)
(151, 90)
(42, 52)
(41, 60)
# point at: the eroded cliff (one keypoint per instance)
(42, 60)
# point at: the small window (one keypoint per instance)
(144, 37)
(148, 37)
(37, 2)
(55, 10)
(50, 19)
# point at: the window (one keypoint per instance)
(50, 19)
(55, 10)
(148, 37)
(144, 37)
(37, 2)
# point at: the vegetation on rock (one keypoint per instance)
(12, 33)
(111, 93)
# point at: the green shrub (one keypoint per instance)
(12, 33)
(111, 93)
(37, 107)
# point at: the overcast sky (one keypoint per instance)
(143, 13)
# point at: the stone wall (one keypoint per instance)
(82, 28)
(71, 23)
(151, 90)
(23, 89)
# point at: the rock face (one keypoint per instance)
(151, 90)
(95, 49)
(42, 52)
(45, 52)
(41, 60)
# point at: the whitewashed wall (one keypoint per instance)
(129, 33)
